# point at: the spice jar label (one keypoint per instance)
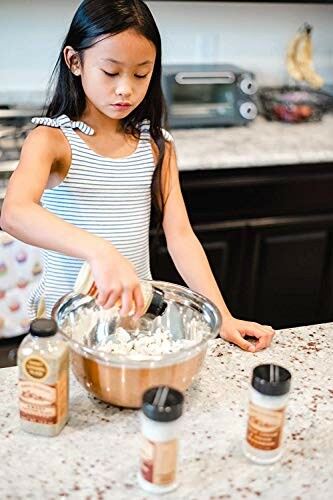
(265, 426)
(158, 461)
(62, 394)
(36, 368)
(43, 403)
(38, 402)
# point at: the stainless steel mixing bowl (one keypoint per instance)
(118, 379)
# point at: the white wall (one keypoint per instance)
(253, 35)
(31, 33)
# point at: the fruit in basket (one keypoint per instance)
(293, 104)
(292, 112)
(285, 113)
(305, 111)
(299, 58)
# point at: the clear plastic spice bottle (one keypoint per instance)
(43, 360)
(155, 304)
(160, 417)
(269, 395)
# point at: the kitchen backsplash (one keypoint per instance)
(251, 35)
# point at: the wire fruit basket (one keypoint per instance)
(293, 104)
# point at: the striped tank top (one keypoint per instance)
(110, 198)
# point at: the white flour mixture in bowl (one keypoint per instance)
(142, 345)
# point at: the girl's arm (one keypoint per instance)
(192, 264)
(23, 217)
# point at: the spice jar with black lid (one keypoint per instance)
(269, 395)
(161, 418)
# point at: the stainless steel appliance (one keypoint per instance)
(15, 124)
(209, 95)
(14, 127)
(119, 379)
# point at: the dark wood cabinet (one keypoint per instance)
(223, 244)
(268, 235)
(285, 269)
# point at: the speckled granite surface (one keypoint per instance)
(259, 144)
(96, 455)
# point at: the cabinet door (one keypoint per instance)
(223, 244)
(287, 271)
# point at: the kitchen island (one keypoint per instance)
(96, 455)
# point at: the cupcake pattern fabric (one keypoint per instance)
(20, 269)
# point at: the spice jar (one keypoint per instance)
(160, 417)
(269, 394)
(155, 304)
(43, 360)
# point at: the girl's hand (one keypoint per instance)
(234, 330)
(116, 279)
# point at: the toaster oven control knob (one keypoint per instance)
(248, 86)
(248, 110)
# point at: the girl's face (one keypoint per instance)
(116, 72)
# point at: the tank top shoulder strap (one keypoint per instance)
(64, 123)
(144, 128)
(145, 131)
(167, 136)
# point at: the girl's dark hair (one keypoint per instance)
(93, 19)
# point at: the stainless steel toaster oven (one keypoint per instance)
(209, 95)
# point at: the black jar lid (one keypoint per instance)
(157, 305)
(162, 404)
(271, 380)
(43, 327)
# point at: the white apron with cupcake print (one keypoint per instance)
(20, 269)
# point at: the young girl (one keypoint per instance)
(88, 173)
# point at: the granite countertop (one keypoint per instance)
(96, 455)
(261, 143)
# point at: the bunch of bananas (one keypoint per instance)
(299, 58)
